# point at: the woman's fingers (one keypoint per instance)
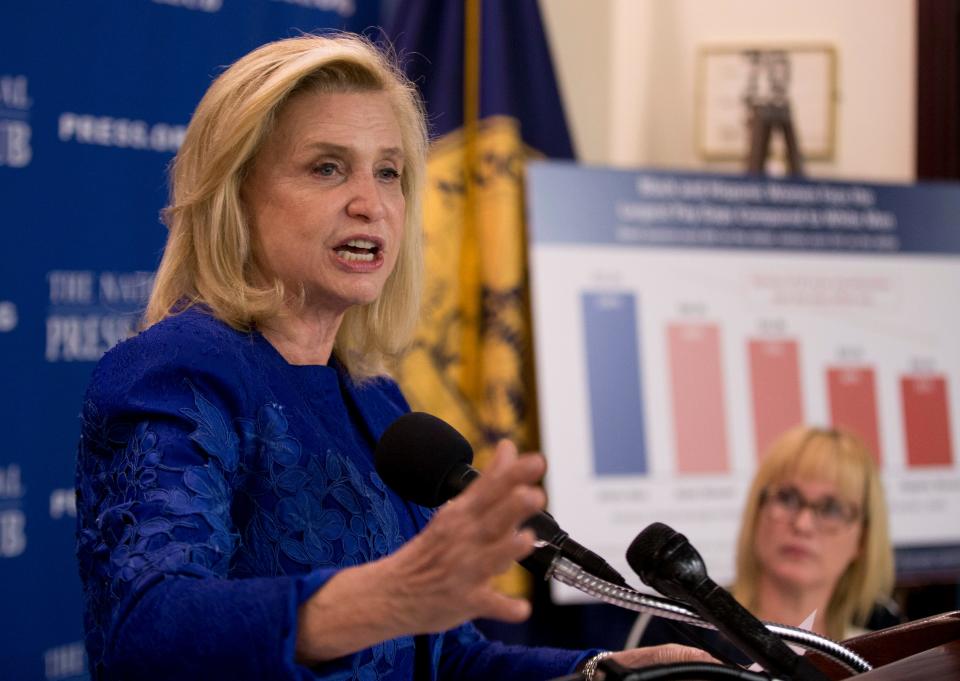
(503, 554)
(514, 508)
(486, 535)
(443, 575)
(666, 654)
(504, 608)
(506, 493)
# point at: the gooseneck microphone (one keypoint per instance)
(427, 461)
(665, 560)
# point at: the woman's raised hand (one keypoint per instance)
(441, 578)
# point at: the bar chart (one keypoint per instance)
(698, 402)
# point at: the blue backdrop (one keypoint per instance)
(94, 97)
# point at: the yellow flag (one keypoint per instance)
(471, 362)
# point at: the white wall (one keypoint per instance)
(627, 70)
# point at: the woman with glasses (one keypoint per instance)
(813, 537)
(814, 534)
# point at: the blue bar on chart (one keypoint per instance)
(613, 374)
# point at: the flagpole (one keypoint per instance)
(470, 254)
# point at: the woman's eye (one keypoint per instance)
(325, 169)
(789, 498)
(389, 174)
(831, 508)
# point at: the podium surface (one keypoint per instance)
(924, 649)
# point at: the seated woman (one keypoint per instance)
(813, 538)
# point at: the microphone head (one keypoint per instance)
(665, 560)
(416, 456)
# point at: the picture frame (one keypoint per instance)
(728, 76)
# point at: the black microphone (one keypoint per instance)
(427, 461)
(665, 560)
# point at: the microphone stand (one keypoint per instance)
(567, 572)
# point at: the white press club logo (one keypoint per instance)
(127, 133)
(15, 130)
(91, 311)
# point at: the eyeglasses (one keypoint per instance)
(829, 513)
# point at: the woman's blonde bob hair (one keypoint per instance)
(841, 458)
(209, 258)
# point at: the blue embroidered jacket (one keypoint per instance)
(218, 488)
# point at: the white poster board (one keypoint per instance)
(683, 321)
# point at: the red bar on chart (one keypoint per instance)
(926, 420)
(699, 416)
(853, 404)
(775, 383)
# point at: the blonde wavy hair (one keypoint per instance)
(842, 458)
(209, 257)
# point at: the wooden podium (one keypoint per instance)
(924, 649)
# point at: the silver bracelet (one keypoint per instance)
(590, 668)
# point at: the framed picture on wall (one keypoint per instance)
(730, 78)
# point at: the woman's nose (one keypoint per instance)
(365, 202)
(805, 519)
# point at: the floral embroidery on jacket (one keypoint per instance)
(295, 511)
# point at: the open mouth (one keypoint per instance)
(359, 250)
